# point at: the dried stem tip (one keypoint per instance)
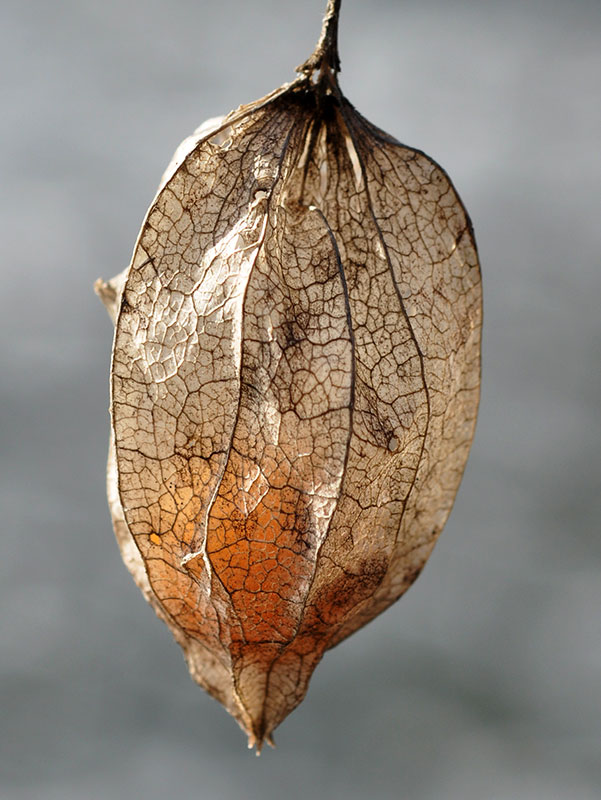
(325, 54)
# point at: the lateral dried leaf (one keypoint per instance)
(295, 384)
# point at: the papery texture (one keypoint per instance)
(294, 387)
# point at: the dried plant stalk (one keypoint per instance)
(295, 384)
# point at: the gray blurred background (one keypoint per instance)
(484, 682)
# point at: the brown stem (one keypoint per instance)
(325, 56)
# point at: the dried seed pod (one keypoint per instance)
(295, 383)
